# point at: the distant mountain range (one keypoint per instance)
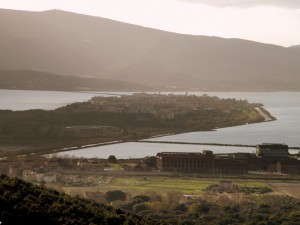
(295, 47)
(84, 46)
(34, 80)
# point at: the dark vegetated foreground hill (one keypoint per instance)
(67, 43)
(23, 203)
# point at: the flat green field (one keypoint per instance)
(162, 185)
(159, 184)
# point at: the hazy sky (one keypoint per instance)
(268, 21)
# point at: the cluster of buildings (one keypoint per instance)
(92, 131)
(272, 158)
(49, 170)
(164, 106)
(269, 158)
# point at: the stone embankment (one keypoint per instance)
(263, 113)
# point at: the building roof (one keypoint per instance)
(182, 155)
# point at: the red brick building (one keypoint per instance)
(268, 158)
(186, 162)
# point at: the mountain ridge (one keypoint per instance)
(67, 43)
(295, 46)
(36, 80)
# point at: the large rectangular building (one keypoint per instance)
(268, 158)
(186, 162)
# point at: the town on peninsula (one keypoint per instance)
(121, 118)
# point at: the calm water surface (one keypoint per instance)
(48, 100)
(286, 129)
(140, 150)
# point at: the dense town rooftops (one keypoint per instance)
(88, 127)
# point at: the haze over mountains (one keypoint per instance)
(71, 44)
(36, 80)
(295, 47)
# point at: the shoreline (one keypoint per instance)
(260, 110)
(203, 143)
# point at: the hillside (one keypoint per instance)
(34, 80)
(295, 46)
(24, 203)
(72, 44)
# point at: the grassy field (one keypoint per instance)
(162, 185)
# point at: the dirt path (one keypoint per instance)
(291, 189)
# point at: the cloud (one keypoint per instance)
(248, 3)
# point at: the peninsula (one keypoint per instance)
(121, 118)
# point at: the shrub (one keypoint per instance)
(143, 198)
(115, 195)
(112, 159)
(139, 207)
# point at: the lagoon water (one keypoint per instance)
(48, 100)
(286, 129)
(285, 106)
(140, 150)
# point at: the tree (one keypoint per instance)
(150, 161)
(115, 195)
(112, 159)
